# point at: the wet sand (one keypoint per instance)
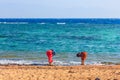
(87, 72)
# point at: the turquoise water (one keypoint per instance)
(26, 43)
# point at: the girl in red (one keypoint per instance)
(50, 54)
(83, 56)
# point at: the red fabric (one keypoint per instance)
(83, 55)
(49, 55)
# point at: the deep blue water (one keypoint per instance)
(25, 41)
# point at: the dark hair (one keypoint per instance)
(78, 54)
(53, 52)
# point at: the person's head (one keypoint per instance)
(53, 52)
(78, 54)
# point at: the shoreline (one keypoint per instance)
(80, 72)
(56, 62)
(59, 64)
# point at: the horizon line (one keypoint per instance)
(59, 18)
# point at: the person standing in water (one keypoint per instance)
(83, 56)
(50, 53)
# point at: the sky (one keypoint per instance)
(59, 8)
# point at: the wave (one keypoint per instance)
(81, 37)
(28, 62)
(21, 62)
(15, 62)
(3, 36)
(58, 63)
(42, 23)
(13, 22)
(61, 23)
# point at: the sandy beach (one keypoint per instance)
(87, 72)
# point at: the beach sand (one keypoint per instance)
(86, 72)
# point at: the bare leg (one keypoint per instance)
(50, 64)
(82, 62)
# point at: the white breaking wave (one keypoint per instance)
(63, 63)
(21, 62)
(13, 22)
(60, 63)
(61, 23)
(27, 62)
(42, 23)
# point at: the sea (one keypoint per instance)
(24, 41)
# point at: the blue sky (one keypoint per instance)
(59, 8)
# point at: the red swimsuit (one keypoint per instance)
(49, 55)
(83, 55)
